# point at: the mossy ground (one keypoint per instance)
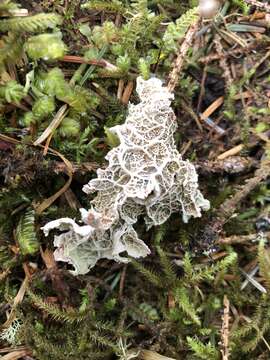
(172, 302)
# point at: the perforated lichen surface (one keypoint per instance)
(146, 176)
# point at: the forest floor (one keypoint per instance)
(66, 77)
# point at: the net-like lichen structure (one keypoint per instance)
(146, 177)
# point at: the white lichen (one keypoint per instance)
(146, 176)
(10, 333)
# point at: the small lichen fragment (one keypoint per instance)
(146, 176)
(10, 333)
(82, 246)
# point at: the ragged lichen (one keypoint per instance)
(146, 176)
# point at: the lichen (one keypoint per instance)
(10, 333)
(146, 176)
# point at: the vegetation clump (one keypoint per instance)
(68, 74)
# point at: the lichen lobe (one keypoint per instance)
(146, 176)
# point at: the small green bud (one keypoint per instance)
(261, 127)
(45, 46)
(77, 97)
(26, 234)
(117, 49)
(28, 119)
(43, 107)
(144, 68)
(69, 127)
(123, 63)
(86, 31)
(105, 34)
(111, 138)
(63, 91)
(91, 54)
(50, 82)
(12, 92)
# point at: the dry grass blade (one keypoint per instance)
(46, 203)
(81, 60)
(152, 355)
(10, 349)
(120, 89)
(48, 258)
(234, 151)
(17, 300)
(250, 279)
(20, 295)
(61, 113)
(14, 355)
(232, 37)
(212, 108)
(9, 139)
(4, 274)
(127, 93)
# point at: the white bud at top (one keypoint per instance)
(208, 8)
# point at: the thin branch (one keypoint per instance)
(225, 329)
(259, 4)
(187, 43)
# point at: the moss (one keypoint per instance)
(172, 302)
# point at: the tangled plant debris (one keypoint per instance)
(69, 105)
(145, 176)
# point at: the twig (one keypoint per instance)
(234, 151)
(127, 92)
(227, 209)
(72, 200)
(13, 348)
(14, 355)
(189, 110)
(211, 232)
(223, 62)
(202, 89)
(230, 165)
(259, 4)
(122, 281)
(225, 329)
(208, 121)
(120, 89)
(20, 295)
(241, 239)
(18, 298)
(212, 108)
(59, 285)
(4, 274)
(47, 144)
(185, 147)
(152, 355)
(82, 168)
(187, 43)
(234, 52)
